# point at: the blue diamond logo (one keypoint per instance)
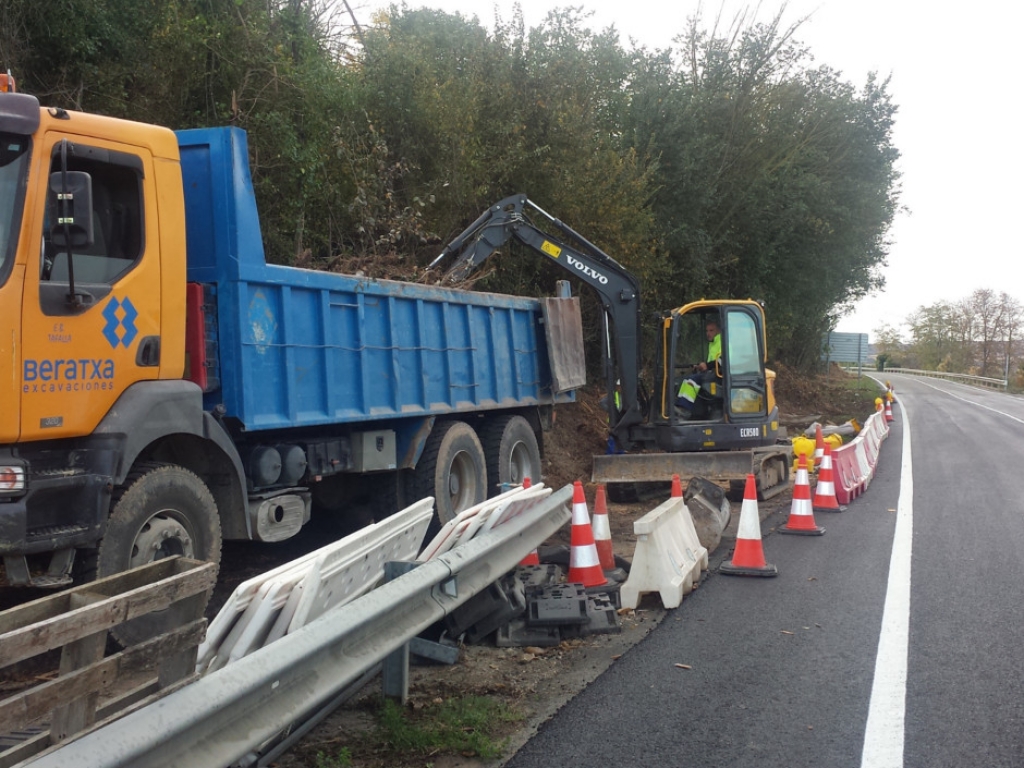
(128, 321)
(115, 322)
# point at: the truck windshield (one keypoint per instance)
(13, 168)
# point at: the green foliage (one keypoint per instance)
(456, 726)
(775, 181)
(267, 67)
(74, 53)
(343, 759)
(382, 223)
(728, 167)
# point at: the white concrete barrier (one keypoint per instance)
(668, 558)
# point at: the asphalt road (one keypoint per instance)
(892, 640)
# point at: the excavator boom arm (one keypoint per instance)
(617, 288)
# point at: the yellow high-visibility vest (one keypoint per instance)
(715, 348)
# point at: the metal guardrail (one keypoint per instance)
(963, 378)
(225, 716)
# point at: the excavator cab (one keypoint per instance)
(698, 395)
(733, 403)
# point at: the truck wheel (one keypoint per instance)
(512, 452)
(389, 493)
(452, 469)
(160, 511)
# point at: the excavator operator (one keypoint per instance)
(704, 372)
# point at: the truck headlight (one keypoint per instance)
(12, 479)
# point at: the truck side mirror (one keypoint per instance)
(69, 204)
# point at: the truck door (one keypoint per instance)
(78, 357)
(14, 163)
(743, 356)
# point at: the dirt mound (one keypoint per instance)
(580, 431)
(804, 398)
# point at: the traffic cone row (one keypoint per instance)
(584, 563)
(590, 542)
(801, 514)
(825, 491)
(748, 557)
(591, 552)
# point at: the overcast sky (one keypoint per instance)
(957, 80)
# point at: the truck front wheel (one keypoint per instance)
(160, 511)
(452, 469)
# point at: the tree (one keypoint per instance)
(1013, 315)
(773, 180)
(934, 340)
(889, 348)
(976, 334)
(727, 167)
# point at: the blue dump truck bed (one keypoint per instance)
(298, 347)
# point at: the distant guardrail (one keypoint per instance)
(963, 378)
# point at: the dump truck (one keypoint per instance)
(731, 431)
(164, 387)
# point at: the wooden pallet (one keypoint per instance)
(77, 621)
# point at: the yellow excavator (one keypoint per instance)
(730, 430)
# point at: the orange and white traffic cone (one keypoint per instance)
(584, 564)
(534, 557)
(602, 531)
(819, 445)
(888, 411)
(825, 491)
(531, 559)
(801, 514)
(677, 487)
(748, 557)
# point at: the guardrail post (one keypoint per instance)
(395, 667)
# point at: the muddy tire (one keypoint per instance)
(389, 493)
(160, 511)
(452, 469)
(512, 452)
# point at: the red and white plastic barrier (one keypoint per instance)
(854, 463)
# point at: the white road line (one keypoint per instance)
(883, 736)
(973, 402)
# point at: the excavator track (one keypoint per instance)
(771, 469)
